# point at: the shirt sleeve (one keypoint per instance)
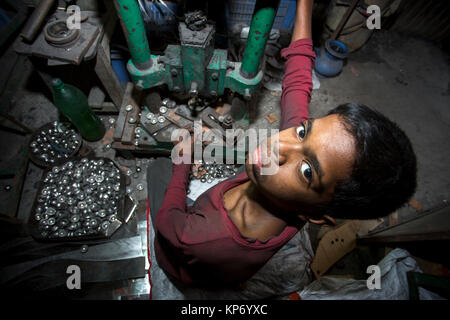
(172, 216)
(297, 82)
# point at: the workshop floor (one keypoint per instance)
(405, 78)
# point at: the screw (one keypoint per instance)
(214, 76)
(174, 72)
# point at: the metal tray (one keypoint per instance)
(33, 224)
(43, 164)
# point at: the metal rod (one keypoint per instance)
(134, 30)
(261, 25)
(344, 19)
(35, 21)
(16, 122)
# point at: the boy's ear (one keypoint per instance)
(326, 219)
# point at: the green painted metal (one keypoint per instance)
(134, 30)
(262, 22)
(238, 83)
(216, 72)
(174, 68)
(156, 75)
(194, 63)
(191, 62)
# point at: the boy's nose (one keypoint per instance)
(288, 149)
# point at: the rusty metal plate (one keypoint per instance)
(73, 53)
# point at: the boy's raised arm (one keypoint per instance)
(297, 81)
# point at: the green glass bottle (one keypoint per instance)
(74, 105)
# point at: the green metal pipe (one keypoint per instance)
(261, 25)
(134, 30)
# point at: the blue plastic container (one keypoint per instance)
(330, 59)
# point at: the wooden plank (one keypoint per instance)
(435, 225)
(103, 67)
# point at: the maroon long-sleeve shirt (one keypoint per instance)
(201, 244)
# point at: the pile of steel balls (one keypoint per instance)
(55, 143)
(78, 198)
(207, 172)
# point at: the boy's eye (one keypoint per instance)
(306, 171)
(301, 131)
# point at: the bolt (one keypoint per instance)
(174, 72)
(172, 104)
(214, 76)
(140, 85)
(161, 119)
(129, 108)
(194, 88)
(247, 95)
(111, 120)
(140, 187)
(84, 248)
(132, 120)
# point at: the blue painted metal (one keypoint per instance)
(4, 19)
(289, 18)
(118, 64)
(241, 11)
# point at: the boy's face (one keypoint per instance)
(312, 159)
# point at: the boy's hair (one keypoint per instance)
(383, 177)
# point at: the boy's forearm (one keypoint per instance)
(302, 26)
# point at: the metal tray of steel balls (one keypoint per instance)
(81, 199)
(54, 143)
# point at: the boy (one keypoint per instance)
(352, 163)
